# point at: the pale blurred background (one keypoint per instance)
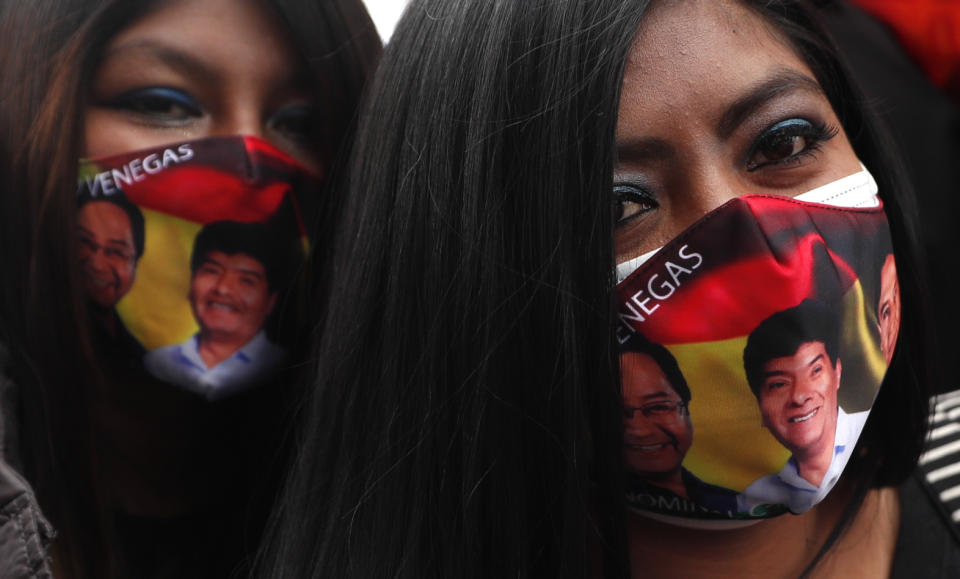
(385, 14)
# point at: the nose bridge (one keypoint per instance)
(243, 115)
(224, 282)
(711, 185)
(801, 389)
(97, 259)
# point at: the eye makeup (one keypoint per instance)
(162, 105)
(631, 202)
(788, 141)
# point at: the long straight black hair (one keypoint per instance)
(49, 51)
(465, 416)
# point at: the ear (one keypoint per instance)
(839, 370)
(272, 301)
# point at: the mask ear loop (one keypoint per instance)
(855, 191)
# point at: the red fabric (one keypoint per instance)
(204, 195)
(929, 31)
(682, 318)
(751, 257)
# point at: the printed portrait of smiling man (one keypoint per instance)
(110, 242)
(794, 369)
(233, 291)
(658, 433)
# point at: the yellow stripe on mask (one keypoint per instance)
(156, 311)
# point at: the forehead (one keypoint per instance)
(691, 57)
(103, 215)
(642, 376)
(236, 37)
(805, 354)
(237, 261)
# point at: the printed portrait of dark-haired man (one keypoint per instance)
(658, 432)
(110, 242)
(794, 369)
(235, 279)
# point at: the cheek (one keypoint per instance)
(769, 409)
(684, 436)
(825, 384)
(255, 299)
(109, 132)
(199, 287)
(129, 271)
(104, 135)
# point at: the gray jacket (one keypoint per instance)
(24, 534)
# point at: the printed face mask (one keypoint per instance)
(188, 257)
(857, 190)
(752, 348)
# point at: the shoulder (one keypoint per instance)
(25, 534)
(857, 419)
(767, 488)
(166, 355)
(262, 349)
(167, 351)
(939, 465)
(929, 540)
(692, 482)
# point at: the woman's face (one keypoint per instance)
(715, 105)
(200, 68)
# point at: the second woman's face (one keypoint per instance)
(200, 68)
(715, 105)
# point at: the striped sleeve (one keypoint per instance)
(940, 463)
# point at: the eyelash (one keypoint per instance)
(168, 106)
(298, 122)
(159, 104)
(625, 193)
(782, 133)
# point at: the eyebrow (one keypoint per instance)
(111, 241)
(782, 81)
(210, 261)
(179, 60)
(770, 373)
(663, 395)
(251, 272)
(816, 359)
(646, 148)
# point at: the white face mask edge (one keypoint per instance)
(856, 190)
(702, 524)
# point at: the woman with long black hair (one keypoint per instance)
(466, 419)
(169, 102)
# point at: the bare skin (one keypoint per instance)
(779, 547)
(231, 300)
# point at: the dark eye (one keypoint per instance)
(775, 384)
(630, 202)
(158, 103)
(298, 122)
(788, 141)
